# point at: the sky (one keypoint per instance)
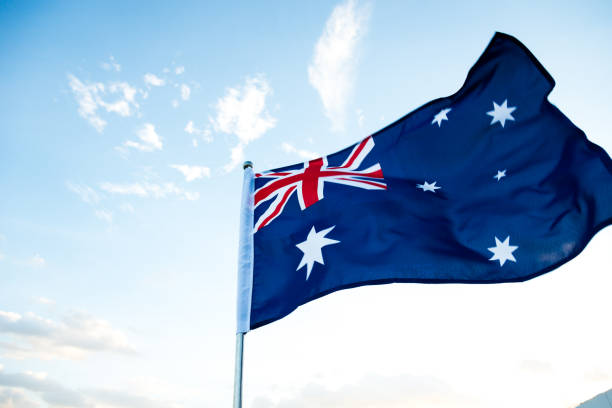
(123, 127)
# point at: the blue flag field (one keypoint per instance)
(492, 184)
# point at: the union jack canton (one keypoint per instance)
(309, 182)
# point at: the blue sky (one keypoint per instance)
(119, 203)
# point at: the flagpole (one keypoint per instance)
(245, 276)
(238, 371)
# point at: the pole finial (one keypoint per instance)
(247, 164)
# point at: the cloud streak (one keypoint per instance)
(147, 189)
(332, 70)
(242, 112)
(73, 337)
(153, 80)
(91, 99)
(304, 154)
(192, 172)
(149, 139)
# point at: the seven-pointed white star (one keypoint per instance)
(440, 117)
(502, 251)
(500, 174)
(429, 187)
(312, 248)
(501, 113)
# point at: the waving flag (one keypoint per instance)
(492, 184)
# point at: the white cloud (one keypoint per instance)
(15, 386)
(104, 215)
(194, 142)
(149, 138)
(192, 130)
(89, 96)
(236, 157)
(86, 194)
(51, 392)
(153, 80)
(242, 112)
(86, 96)
(192, 195)
(179, 70)
(332, 71)
(36, 261)
(185, 92)
(73, 337)
(45, 301)
(192, 172)
(147, 189)
(15, 398)
(2, 256)
(111, 65)
(304, 154)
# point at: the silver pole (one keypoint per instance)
(238, 371)
(245, 273)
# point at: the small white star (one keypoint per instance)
(501, 113)
(502, 251)
(441, 116)
(429, 187)
(312, 248)
(500, 174)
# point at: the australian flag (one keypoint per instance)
(492, 184)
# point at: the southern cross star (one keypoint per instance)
(312, 248)
(500, 174)
(502, 251)
(501, 113)
(429, 187)
(441, 116)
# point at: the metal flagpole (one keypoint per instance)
(245, 276)
(238, 371)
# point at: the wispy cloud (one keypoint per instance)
(73, 337)
(147, 189)
(111, 65)
(304, 154)
(15, 398)
(44, 300)
(149, 139)
(192, 172)
(206, 134)
(89, 97)
(242, 112)
(185, 92)
(179, 70)
(15, 386)
(50, 391)
(153, 80)
(332, 71)
(86, 194)
(36, 261)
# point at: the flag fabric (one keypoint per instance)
(492, 184)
